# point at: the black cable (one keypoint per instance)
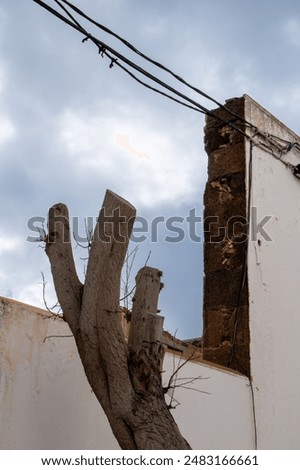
(254, 415)
(156, 90)
(57, 14)
(157, 64)
(154, 62)
(113, 55)
(103, 47)
(68, 13)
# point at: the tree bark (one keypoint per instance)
(125, 377)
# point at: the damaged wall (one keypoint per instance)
(273, 277)
(251, 294)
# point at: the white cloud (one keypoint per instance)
(284, 103)
(3, 19)
(9, 243)
(292, 31)
(145, 163)
(32, 294)
(1, 80)
(7, 129)
(243, 75)
(153, 30)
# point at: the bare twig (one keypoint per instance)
(129, 293)
(49, 309)
(188, 381)
(176, 382)
(89, 238)
(173, 403)
(173, 375)
(147, 259)
(128, 265)
(43, 235)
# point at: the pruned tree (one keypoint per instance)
(124, 375)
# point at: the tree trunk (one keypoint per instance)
(125, 376)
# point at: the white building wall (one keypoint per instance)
(46, 402)
(274, 288)
(218, 414)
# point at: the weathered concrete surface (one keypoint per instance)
(45, 399)
(273, 276)
(46, 402)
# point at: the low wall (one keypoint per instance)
(47, 403)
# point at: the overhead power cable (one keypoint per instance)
(115, 58)
(149, 59)
(264, 140)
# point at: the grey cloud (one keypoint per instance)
(226, 48)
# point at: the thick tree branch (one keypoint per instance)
(59, 250)
(100, 309)
(146, 326)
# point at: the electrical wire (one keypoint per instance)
(106, 50)
(269, 142)
(153, 62)
(103, 48)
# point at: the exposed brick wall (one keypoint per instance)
(226, 312)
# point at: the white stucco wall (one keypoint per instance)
(274, 275)
(46, 402)
(218, 414)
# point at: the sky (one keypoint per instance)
(72, 127)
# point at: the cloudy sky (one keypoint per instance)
(70, 126)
